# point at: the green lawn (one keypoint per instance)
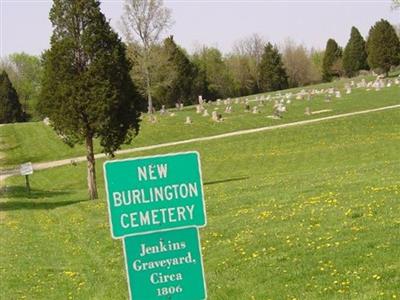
(308, 212)
(36, 142)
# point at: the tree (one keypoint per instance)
(317, 57)
(241, 68)
(25, 71)
(354, 55)
(182, 73)
(395, 4)
(87, 91)
(383, 47)
(298, 64)
(210, 62)
(272, 72)
(333, 53)
(250, 49)
(10, 107)
(144, 21)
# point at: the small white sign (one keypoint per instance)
(26, 169)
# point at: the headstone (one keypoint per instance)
(46, 121)
(255, 110)
(205, 113)
(198, 109)
(163, 110)
(201, 100)
(188, 120)
(214, 116)
(338, 94)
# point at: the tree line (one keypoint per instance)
(166, 74)
(92, 85)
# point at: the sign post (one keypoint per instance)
(156, 205)
(26, 170)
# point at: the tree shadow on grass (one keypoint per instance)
(22, 192)
(36, 199)
(22, 205)
(226, 180)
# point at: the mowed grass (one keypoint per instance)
(37, 142)
(309, 212)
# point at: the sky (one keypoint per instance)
(25, 26)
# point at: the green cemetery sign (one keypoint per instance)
(165, 265)
(150, 194)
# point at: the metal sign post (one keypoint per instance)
(26, 170)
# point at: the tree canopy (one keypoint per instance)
(354, 54)
(383, 47)
(10, 107)
(87, 91)
(332, 56)
(272, 72)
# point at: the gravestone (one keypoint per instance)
(188, 120)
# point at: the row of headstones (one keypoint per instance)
(279, 106)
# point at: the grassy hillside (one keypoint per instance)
(37, 142)
(308, 212)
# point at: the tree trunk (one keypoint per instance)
(149, 100)
(91, 171)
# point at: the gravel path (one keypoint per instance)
(51, 164)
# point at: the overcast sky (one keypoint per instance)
(25, 25)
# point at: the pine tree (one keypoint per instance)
(383, 47)
(355, 55)
(331, 59)
(86, 89)
(273, 76)
(10, 107)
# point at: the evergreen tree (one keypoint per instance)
(273, 76)
(86, 89)
(355, 55)
(331, 59)
(10, 107)
(383, 47)
(183, 71)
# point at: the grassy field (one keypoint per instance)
(309, 212)
(37, 142)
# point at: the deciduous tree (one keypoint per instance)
(144, 21)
